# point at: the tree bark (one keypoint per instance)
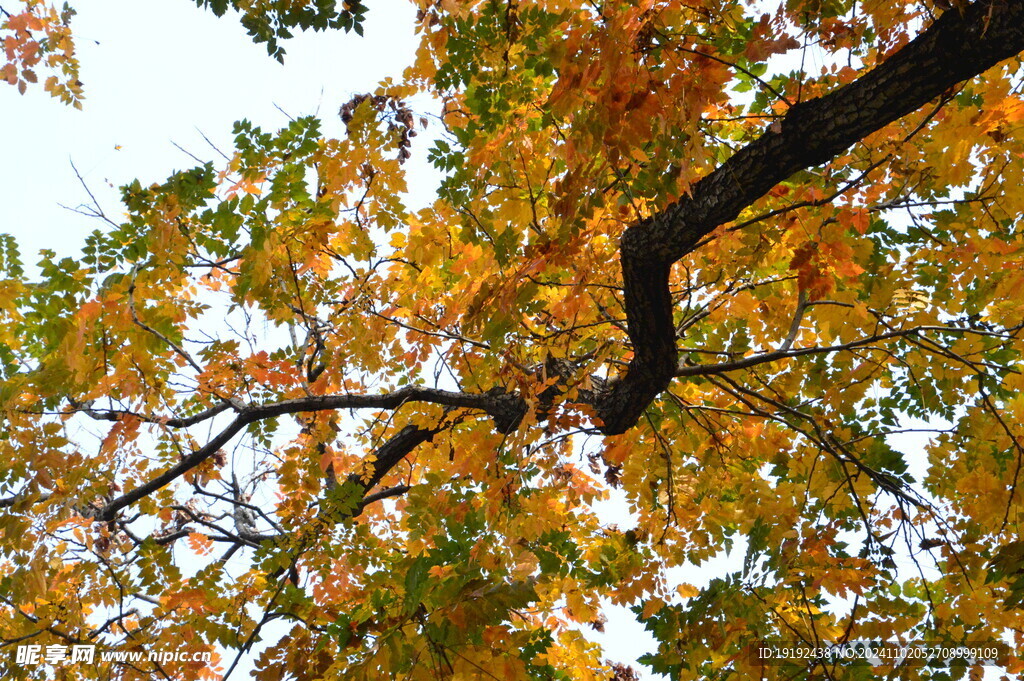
(954, 48)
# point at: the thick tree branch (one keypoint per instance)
(956, 47)
(395, 491)
(109, 512)
(506, 409)
(385, 458)
(391, 452)
(388, 455)
(8, 502)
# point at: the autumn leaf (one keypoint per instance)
(664, 272)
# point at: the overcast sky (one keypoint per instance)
(157, 72)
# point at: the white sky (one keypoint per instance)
(160, 71)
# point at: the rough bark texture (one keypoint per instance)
(391, 453)
(954, 48)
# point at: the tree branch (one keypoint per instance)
(506, 409)
(956, 47)
(786, 352)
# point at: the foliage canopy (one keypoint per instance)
(669, 260)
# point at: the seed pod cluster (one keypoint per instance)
(393, 111)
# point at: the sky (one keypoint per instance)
(163, 72)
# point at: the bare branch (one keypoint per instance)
(785, 353)
(135, 318)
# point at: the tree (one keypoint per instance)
(703, 256)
